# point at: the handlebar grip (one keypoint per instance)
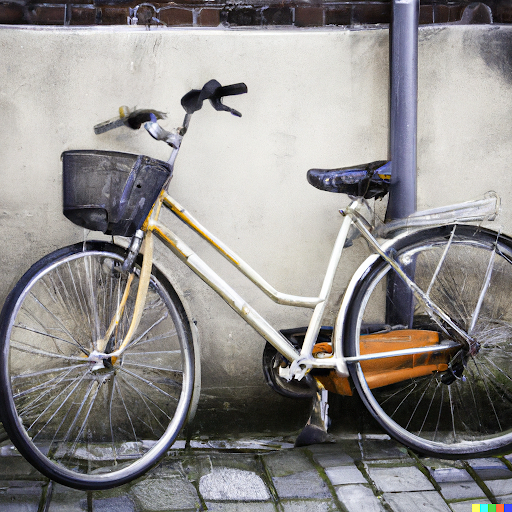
(231, 90)
(108, 125)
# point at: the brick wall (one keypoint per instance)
(190, 13)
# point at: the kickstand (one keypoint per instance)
(315, 431)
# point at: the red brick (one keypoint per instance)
(426, 14)
(176, 16)
(241, 16)
(339, 15)
(83, 16)
(371, 14)
(441, 13)
(456, 12)
(63, 2)
(115, 15)
(309, 16)
(194, 3)
(11, 14)
(208, 17)
(502, 13)
(279, 16)
(46, 15)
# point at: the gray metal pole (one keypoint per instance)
(403, 128)
(403, 104)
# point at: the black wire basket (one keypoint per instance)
(109, 191)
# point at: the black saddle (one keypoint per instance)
(366, 180)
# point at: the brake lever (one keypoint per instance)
(219, 106)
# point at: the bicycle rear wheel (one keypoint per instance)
(454, 403)
(84, 424)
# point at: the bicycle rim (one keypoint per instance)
(83, 424)
(462, 404)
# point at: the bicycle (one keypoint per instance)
(99, 369)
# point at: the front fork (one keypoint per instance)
(141, 240)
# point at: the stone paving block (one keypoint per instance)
(461, 490)
(195, 467)
(65, 499)
(117, 504)
(18, 504)
(287, 462)
(354, 496)
(16, 467)
(465, 506)
(422, 501)
(228, 484)
(169, 466)
(499, 487)
(490, 468)
(328, 455)
(246, 461)
(76, 506)
(309, 506)
(442, 475)
(21, 488)
(345, 475)
(505, 499)
(307, 484)
(20, 496)
(380, 449)
(254, 506)
(399, 479)
(163, 494)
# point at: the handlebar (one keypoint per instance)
(191, 102)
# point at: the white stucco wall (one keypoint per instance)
(317, 98)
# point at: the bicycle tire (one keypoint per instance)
(464, 407)
(85, 425)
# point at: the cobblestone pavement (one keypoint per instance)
(356, 473)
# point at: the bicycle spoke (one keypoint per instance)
(118, 388)
(429, 407)
(485, 286)
(148, 383)
(64, 441)
(145, 399)
(47, 384)
(420, 400)
(36, 300)
(84, 422)
(57, 338)
(23, 347)
(151, 327)
(491, 402)
(440, 263)
(77, 382)
(92, 298)
(114, 450)
(450, 399)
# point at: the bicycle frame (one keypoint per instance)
(302, 361)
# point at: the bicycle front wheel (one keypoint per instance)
(84, 424)
(452, 403)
